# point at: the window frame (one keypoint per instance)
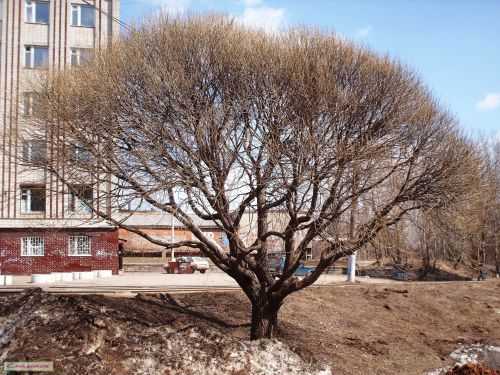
(32, 56)
(27, 246)
(77, 53)
(33, 5)
(78, 9)
(309, 254)
(79, 154)
(27, 191)
(30, 103)
(76, 200)
(31, 154)
(73, 241)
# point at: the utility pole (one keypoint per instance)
(351, 268)
(351, 265)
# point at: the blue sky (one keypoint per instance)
(453, 44)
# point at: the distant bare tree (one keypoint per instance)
(200, 115)
(496, 204)
(465, 231)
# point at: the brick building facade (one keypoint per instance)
(161, 226)
(44, 228)
(55, 258)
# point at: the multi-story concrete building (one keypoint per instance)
(44, 228)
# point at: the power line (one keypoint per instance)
(120, 22)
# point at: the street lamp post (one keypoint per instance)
(172, 250)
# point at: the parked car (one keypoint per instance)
(302, 269)
(198, 264)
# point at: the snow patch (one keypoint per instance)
(474, 353)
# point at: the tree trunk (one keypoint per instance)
(426, 262)
(497, 258)
(264, 319)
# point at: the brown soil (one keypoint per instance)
(407, 329)
(360, 329)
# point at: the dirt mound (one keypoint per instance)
(101, 335)
(472, 369)
(410, 328)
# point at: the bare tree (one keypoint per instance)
(491, 183)
(464, 231)
(202, 116)
(496, 204)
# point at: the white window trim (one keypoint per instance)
(32, 57)
(30, 154)
(75, 254)
(29, 196)
(309, 254)
(25, 206)
(78, 8)
(27, 246)
(29, 103)
(33, 5)
(77, 52)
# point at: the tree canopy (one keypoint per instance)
(200, 115)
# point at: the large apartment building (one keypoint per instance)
(43, 227)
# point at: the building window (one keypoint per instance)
(32, 198)
(79, 56)
(82, 15)
(32, 246)
(36, 12)
(36, 57)
(34, 152)
(79, 246)
(80, 199)
(309, 254)
(79, 154)
(31, 104)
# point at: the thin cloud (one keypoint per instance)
(490, 101)
(172, 6)
(269, 19)
(251, 3)
(364, 32)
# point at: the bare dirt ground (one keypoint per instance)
(406, 328)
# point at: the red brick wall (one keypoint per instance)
(104, 251)
(134, 242)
